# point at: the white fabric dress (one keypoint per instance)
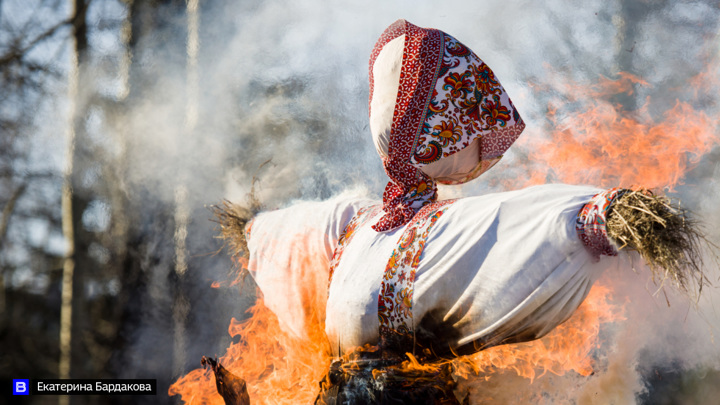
(487, 270)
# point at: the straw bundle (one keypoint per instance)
(232, 219)
(664, 235)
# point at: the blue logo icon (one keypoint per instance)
(21, 387)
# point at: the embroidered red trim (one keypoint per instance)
(409, 189)
(591, 223)
(358, 221)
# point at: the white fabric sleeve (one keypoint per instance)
(290, 250)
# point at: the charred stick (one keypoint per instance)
(232, 388)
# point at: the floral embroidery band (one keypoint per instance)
(396, 291)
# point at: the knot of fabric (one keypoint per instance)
(401, 201)
(591, 223)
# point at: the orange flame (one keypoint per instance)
(567, 348)
(280, 368)
(596, 140)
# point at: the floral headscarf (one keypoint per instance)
(447, 98)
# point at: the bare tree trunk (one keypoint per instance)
(118, 190)
(126, 57)
(8, 209)
(6, 212)
(193, 45)
(68, 233)
(79, 41)
(181, 306)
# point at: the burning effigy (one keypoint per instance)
(389, 295)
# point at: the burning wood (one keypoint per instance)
(375, 375)
(232, 388)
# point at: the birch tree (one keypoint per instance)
(79, 44)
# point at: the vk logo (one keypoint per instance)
(21, 387)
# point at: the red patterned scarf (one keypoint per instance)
(447, 98)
